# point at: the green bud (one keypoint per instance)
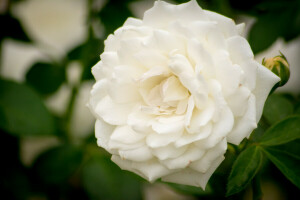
(279, 66)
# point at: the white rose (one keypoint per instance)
(172, 89)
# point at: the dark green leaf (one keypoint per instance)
(277, 108)
(282, 132)
(58, 164)
(287, 163)
(23, 111)
(104, 180)
(114, 14)
(244, 169)
(291, 148)
(263, 34)
(45, 78)
(297, 109)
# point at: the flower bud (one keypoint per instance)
(279, 66)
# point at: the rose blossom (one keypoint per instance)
(172, 89)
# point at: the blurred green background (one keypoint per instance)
(47, 49)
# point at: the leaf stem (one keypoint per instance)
(69, 113)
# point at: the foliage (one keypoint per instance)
(80, 170)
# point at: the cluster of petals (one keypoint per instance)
(173, 89)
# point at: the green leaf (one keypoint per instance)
(113, 15)
(282, 132)
(244, 169)
(287, 163)
(277, 108)
(291, 148)
(263, 34)
(45, 78)
(22, 111)
(102, 179)
(58, 164)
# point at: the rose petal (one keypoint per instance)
(103, 132)
(201, 117)
(99, 91)
(245, 124)
(125, 134)
(190, 155)
(162, 13)
(140, 121)
(130, 21)
(168, 125)
(225, 70)
(188, 138)
(202, 165)
(160, 140)
(193, 178)
(201, 57)
(113, 113)
(226, 25)
(238, 100)
(140, 154)
(265, 81)
(172, 90)
(239, 49)
(169, 151)
(150, 170)
(220, 129)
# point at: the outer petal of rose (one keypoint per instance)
(238, 101)
(128, 47)
(226, 24)
(123, 91)
(225, 70)
(110, 58)
(150, 58)
(164, 42)
(193, 178)
(244, 125)
(140, 121)
(201, 117)
(240, 28)
(150, 170)
(192, 154)
(162, 13)
(155, 140)
(103, 132)
(169, 151)
(124, 134)
(188, 138)
(130, 21)
(98, 92)
(239, 49)
(140, 154)
(204, 163)
(113, 113)
(220, 129)
(264, 83)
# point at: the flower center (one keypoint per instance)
(163, 93)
